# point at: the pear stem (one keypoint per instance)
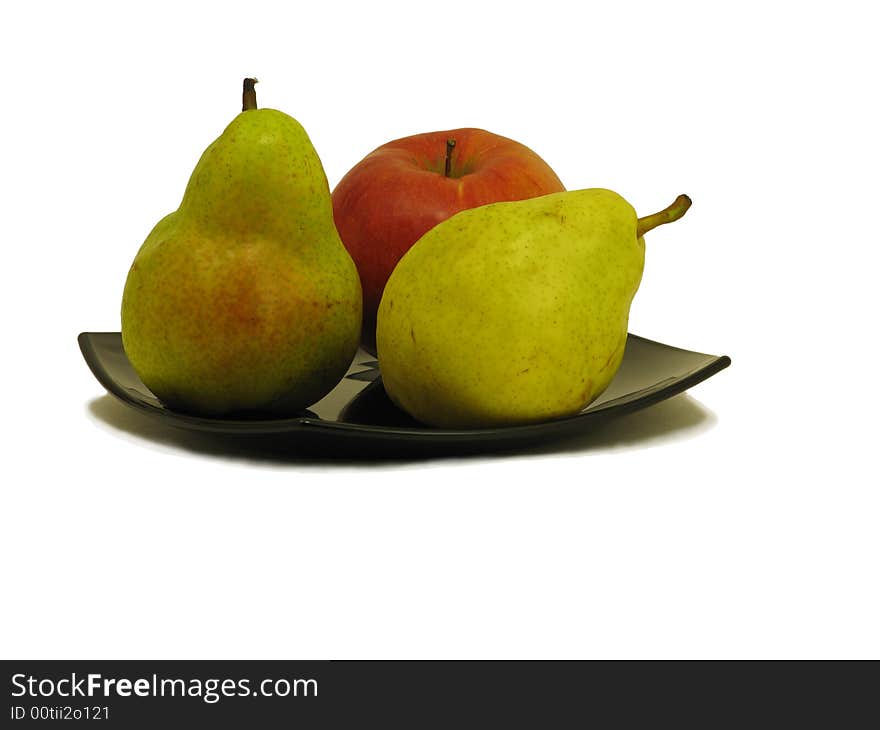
(675, 211)
(450, 143)
(249, 95)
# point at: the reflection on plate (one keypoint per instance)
(357, 412)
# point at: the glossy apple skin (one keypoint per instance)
(399, 191)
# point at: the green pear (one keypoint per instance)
(244, 298)
(514, 312)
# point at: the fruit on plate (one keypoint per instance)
(514, 312)
(244, 298)
(392, 197)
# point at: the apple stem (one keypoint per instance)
(249, 95)
(675, 211)
(450, 143)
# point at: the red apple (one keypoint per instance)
(386, 202)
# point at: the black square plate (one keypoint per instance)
(357, 412)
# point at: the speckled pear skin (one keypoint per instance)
(245, 299)
(512, 312)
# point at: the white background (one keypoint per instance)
(739, 520)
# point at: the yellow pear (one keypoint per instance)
(514, 312)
